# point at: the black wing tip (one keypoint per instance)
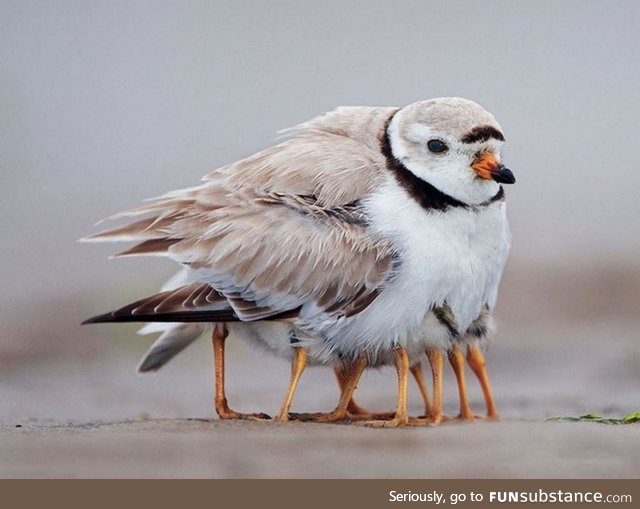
(105, 318)
(186, 317)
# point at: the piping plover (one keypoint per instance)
(370, 235)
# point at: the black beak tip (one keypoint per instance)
(505, 176)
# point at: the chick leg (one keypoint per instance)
(355, 411)
(437, 363)
(416, 371)
(401, 417)
(222, 408)
(456, 358)
(348, 380)
(342, 376)
(476, 363)
(298, 364)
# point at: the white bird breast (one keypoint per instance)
(456, 256)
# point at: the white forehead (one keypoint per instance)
(451, 115)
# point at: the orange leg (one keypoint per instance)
(354, 410)
(437, 363)
(476, 363)
(456, 358)
(401, 417)
(342, 376)
(416, 371)
(348, 381)
(222, 408)
(298, 364)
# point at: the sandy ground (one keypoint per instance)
(71, 404)
(201, 448)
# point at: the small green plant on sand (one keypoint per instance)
(593, 417)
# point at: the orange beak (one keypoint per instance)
(487, 167)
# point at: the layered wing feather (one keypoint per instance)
(272, 235)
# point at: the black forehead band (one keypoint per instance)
(482, 133)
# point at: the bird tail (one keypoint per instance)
(174, 338)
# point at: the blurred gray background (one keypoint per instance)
(105, 103)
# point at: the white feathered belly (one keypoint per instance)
(454, 257)
(281, 339)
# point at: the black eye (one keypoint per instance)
(437, 146)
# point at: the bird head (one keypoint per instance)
(453, 144)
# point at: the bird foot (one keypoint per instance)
(466, 417)
(396, 422)
(370, 416)
(323, 417)
(337, 416)
(490, 418)
(429, 420)
(472, 418)
(228, 415)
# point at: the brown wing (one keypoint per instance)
(197, 302)
(282, 228)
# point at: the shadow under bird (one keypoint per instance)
(369, 236)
